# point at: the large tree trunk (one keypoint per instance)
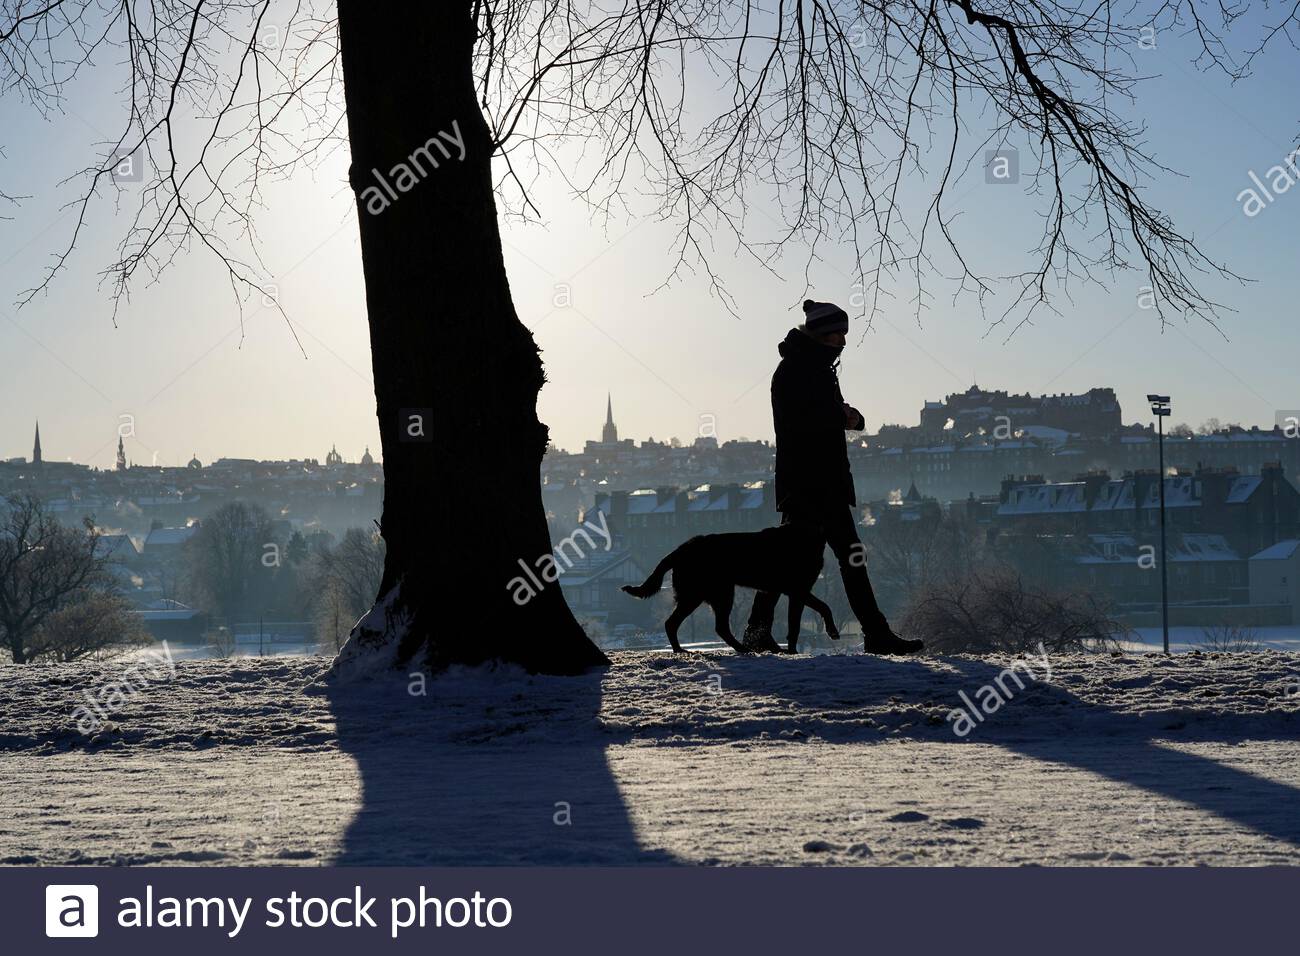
(462, 501)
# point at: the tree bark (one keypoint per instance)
(456, 373)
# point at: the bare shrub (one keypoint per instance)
(220, 643)
(996, 612)
(1230, 639)
(91, 624)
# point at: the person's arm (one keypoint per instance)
(854, 421)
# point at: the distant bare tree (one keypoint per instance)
(906, 556)
(984, 613)
(353, 568)
(343, 581)
(91, 623)
(227, 559)
(44, 566)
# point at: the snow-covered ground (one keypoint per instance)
(206, 652)
(699, 759)
(1184, 639)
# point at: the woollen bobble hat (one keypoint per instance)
(819, 318)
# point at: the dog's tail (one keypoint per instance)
(652, 584)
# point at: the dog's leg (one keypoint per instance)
(680, 613)
(721, 603)
(818, 605)
(794, 619)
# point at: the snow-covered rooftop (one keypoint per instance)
(1278, 552)
(168, 536)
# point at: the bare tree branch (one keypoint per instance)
(757, 127)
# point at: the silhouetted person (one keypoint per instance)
(813, 482)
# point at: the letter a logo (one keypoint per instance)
(71, 910)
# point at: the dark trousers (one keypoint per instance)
(841, 533)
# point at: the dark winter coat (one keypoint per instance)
(812, 460)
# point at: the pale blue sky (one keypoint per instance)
(177, 363)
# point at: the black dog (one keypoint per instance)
(707, 569)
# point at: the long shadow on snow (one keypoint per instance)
(486, 768)
(1067, 730)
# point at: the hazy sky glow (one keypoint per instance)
(179, 365)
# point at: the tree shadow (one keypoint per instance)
(500, 768)
(1137, 755)
(484, 768)
(1132, 749)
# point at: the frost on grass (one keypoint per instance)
(705, 758)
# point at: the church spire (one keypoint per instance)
(36, 449)
(121, 455)
(609, 434)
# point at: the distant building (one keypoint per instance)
(165, 544)
(651, 522)
(948, 469)
(169, 620)
(591, 585)
(1204, 569)
(609, 446)
(117, 547)
(1275, 576)
(1230, 537)
(905, 509)
(977, 411)
(1252, 512)
(36, 447)
(954, 467)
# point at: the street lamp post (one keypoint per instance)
(1160, 409)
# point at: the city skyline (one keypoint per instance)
(123, 461)
(609, 426)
